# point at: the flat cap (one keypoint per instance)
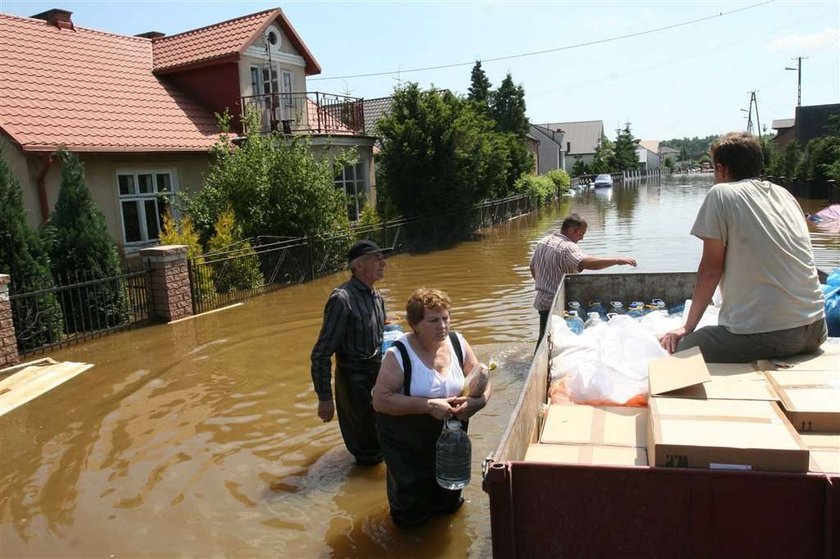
(365, 246)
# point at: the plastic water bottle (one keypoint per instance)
(636, 309)
(391, 334)
(574, 322)
(453, 456)
(593, 320)
(616, 307)
(595, 306)
(575, 306)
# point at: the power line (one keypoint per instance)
(547, 51)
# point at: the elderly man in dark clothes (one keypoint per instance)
(354, 320)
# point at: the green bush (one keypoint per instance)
(820, 154)
(38, 319)
(237, 266)
(276, 187)
(540, 187)
(81, 249)
(561, 179)
(182, 232)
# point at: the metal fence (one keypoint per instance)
(311, 112)
(262, 264)
(75, 307)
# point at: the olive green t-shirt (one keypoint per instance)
(769, 278)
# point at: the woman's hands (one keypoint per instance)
(462, 407)
(440, 408)
(466, 407)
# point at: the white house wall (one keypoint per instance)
(284, 58)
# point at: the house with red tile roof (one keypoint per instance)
(140, 110)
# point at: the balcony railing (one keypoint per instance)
(308, 113)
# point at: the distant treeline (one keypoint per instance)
(690, 148)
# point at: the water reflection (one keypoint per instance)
(201, 438)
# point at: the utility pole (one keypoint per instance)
(753, 102)
(798, 69)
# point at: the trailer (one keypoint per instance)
(557, 510)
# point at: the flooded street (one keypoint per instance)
(201, 438)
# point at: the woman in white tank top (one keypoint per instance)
(411, 408)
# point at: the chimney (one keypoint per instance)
(151, 35)
(57, 17)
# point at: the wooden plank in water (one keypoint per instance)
(34, 380)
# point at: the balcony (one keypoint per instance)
(308, 113)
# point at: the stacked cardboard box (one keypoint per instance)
(809, 392)
(811, 399)
(604, 435)
(825, 452)
(730, 423)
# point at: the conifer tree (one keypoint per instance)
(81, 250)
(508, 108)
(479, 90)
(37, 319)
(625, 150)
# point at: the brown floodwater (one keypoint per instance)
(201, 439)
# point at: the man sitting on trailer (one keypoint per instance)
(558, 254)
(757, 245)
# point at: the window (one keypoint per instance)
(255, 80)
(287, 88)
(269, 80)
(144, 197)
(351, 178)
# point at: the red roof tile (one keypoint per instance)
(324, 120)
(223, 41)
(91, 91)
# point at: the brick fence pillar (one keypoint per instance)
(8, 341)
(169, 285)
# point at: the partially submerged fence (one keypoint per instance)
(76, 307)
(258, 265)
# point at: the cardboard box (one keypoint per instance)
(686, 375)
(826, 358)
(723, 434)
(825, 452)
(811, 399)
(586, 455)
(596, 425)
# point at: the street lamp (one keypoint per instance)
(798, 71)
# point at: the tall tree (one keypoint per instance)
(507, 107)
(604, 160)
(81, 249)
(37, 319)
(438, 153)
(625, 150)
(479, 90)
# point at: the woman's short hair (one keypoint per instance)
(574, 220)
(740, 153)
(425, 298)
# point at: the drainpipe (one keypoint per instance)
(47, 160)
